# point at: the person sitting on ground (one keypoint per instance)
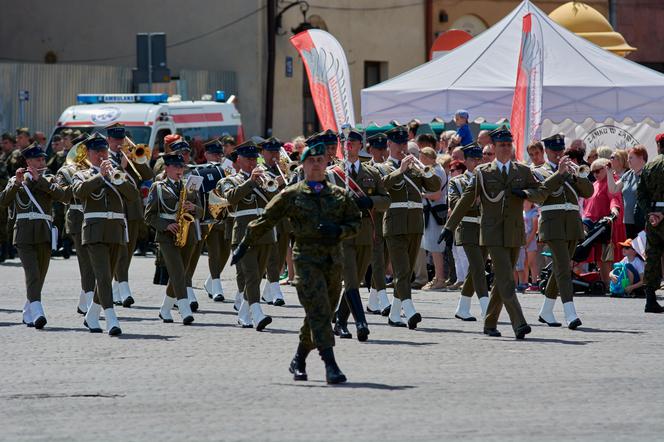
(633, 267)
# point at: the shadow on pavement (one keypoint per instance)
(10, 310)
(554, 341)
(280, 331)
(446, 330)
(215, 324)
(147, 337)
(395, 342)
(353, 385)
(142, 307)
(132, 319)
(65, 329)
(9, 324)
(599, 330)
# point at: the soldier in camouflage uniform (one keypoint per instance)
(650, 198)
(322, 215)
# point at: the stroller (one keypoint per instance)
(589, 283)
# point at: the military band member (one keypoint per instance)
(650, 198)
(467, 235)
(103, 191)
(31, 196)
(560, 228)
(331, 141)
(403, 224)
(74, 228)
(272, 294)
(248, 194)
(366, 185)
(219, 248)
(501, 186)
(322, 215)
(117, 139)
(161, 213)
(379, 303)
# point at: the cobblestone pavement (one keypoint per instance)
(215, 381)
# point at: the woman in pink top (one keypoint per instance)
(602, 204)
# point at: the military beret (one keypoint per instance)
(398, 135)
(213, 146)
(501, 134)
(378, 141)
(180, 145)
(248, 149)
(555, 142)
(173, 159)
(313, 139)
(23, 130)
(33, 151)
(314, 150)
(328, 137)
(472, 150)
(117, 131)
(96, 142)
(272, 144)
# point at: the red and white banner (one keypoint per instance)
(526, 116)
(329, 77)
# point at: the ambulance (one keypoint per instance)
(150, 117)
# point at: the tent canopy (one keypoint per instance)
(581, 80)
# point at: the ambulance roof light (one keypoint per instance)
(121, 98)
(220, 96)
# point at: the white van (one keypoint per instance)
(150, 117)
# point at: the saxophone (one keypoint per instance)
(183, 219)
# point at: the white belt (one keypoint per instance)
(470, 219)
(566, 206)
(248, 212)
(406, 205)
(34, 215)
(103, 215)
(167, 216)
(659, 204)
(78, 207)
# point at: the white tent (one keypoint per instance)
(585, 87)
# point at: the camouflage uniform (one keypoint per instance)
(650, 198)
(317, 258)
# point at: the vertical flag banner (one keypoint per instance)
(526, 116)
(329, 77)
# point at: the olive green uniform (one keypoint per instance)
(161, 211)
(278, 252)
(403, 226)
(247, 202)
(104, 226)
(502, 229)
(379, 256)
(32, 229)
(316, 258)
(467, 235)
(560, 225)
(650, 198)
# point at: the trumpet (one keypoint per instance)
(427, 171)
(581, 171)
(267, 183)
(116, 176)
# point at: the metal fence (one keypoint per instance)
(53, 87)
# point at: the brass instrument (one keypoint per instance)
(117, 176)
(28, 176)
(216, 204)
(78, 155)
(182, 218)
(427, 171)
(268, 184)
(581, 171)
(285, 164)
(137, 153)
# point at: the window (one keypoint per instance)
(374, 72)
(311, 125)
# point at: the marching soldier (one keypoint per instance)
(378, 304)
(403, 224)
(560, 228)
(501, 187)
(31, 195)
(272, 292)
(366, 185)
(213, 229)
(467, 235)
(331, 141)
(324, 215)
(248, 193)
(74, 229)
(163, 205)
(650, 198)
(136, 173)
(5, 153)
(103, 191)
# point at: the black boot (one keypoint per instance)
(341, 327)
(652, 306)
(66, 248)
(333, 374)
(298, 365)
(352, 298)
(3, 251)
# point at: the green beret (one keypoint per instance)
(314, 150)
